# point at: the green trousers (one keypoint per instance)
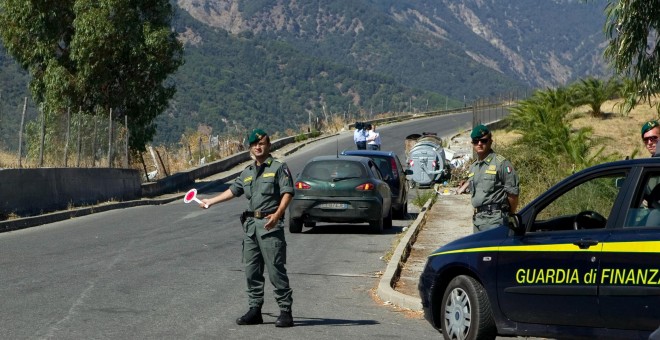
(267, 249)
(488, 220)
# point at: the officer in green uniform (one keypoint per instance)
(493, 183)
(650, 137)
(268, 186)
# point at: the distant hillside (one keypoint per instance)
(433, 44)
(276, 63)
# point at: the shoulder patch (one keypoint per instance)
(500, 158)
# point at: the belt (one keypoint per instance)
(490, 207)
(258, 213)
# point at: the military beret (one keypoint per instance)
(648, 126)
(256, 135)
(479, 131)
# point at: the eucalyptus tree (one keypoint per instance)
(632, 28)
(96, 56)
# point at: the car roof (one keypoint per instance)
(340, 157)
(367, 153)
(643, 162)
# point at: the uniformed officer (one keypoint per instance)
(493, 183)
(650, 135)
(268, 186)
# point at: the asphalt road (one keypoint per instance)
(174, 271)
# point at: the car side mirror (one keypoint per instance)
(408, 172)
(514, 222)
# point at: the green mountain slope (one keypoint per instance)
(276, 64)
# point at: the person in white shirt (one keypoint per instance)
(360, 136)
(373, 138)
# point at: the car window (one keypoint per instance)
(645, 207)
(586, 206)
(376, 171)
(384, 166)
(327, 170)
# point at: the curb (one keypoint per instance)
(393, 270)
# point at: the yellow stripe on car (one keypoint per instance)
(614, 247)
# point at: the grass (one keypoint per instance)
(422, 196)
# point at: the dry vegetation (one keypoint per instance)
(619, 134)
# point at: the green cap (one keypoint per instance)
(648, 126)
(479, 131)
(256, 135)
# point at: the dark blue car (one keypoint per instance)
(393, 173)
(580, 261)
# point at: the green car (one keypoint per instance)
(341, 189)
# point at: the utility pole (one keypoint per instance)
(20, 134)
(110, 126)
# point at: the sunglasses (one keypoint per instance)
(486, 140)
(653, 139)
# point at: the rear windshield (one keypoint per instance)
(384, 165)
(327, 170)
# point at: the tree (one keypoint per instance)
(543, 123)
(594, 92)
(632, 28)
(97, 56)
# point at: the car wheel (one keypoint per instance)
(310, 224)
(466, 311)
(295, 225)
(400, 214)
(376, 226)
(387, 220)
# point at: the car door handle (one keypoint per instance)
(585, 244)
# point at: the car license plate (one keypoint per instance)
(333, 205)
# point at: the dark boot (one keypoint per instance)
(284, 320)
(252, 317)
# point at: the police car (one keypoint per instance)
(580, 261)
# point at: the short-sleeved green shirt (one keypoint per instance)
(264, 185)
(492, 179)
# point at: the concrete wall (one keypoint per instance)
(34, 191)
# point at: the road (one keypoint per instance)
(174, 271)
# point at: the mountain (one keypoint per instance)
(279, 63)
(540, 43)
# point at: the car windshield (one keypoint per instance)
(334, 170)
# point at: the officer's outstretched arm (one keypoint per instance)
(224, 196)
